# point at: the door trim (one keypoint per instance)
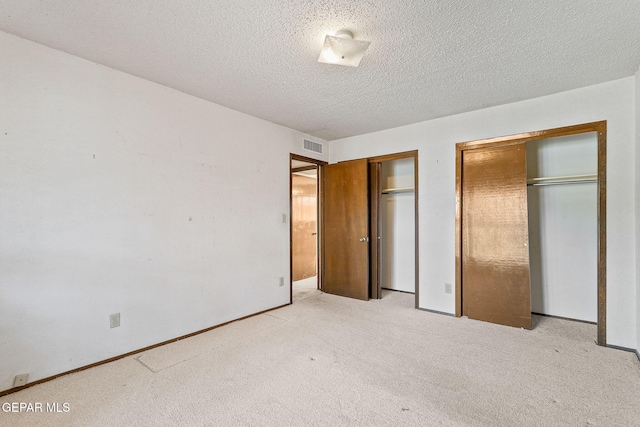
(601, 129)
(319, 164)
(375, 192)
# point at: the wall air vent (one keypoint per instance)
(316, 147)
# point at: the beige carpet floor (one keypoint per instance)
(331, 361)
(305, 288)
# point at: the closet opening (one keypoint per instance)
(305, 231)
(531, 239)
(358, 220)
(394, 229)
(562, 199)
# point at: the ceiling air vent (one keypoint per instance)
(316, 147)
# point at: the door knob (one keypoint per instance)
(364, 239)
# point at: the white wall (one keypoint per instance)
(119, 195)
(435, 139)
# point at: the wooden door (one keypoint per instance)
(495, 236)
(304, 213)
(346, 229)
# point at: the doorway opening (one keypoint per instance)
(514, 211)
(305, 233)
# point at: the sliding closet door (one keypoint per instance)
(495, 253)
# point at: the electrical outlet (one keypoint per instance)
(282, 281)
(20, 380)
(114, 320)
(447, 288)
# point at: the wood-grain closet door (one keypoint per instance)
(346, 229)
(495, 236)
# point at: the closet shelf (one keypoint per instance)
(570, 179)
(398, 190)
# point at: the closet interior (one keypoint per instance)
(562, 199)
(397, 225)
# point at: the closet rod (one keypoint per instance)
(398, 190)
(555, 180)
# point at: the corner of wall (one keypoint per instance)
(637, 205)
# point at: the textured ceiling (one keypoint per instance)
(427, 59)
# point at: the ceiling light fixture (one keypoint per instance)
(342, 49)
